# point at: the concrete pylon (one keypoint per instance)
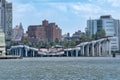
(76, 52)
(83, 50)
(99, 50)
(109, 47)
(93, 51)
(88, 50)
(26, 55)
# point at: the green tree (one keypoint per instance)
(99, 34)
(52, 43)
(64, 43)
(88, 37)
(26, 41)
(83, 38)
(72, 43)
(40, 43)
(94, 36)
(13, 43)
(103, 33)
(48, 45)
(56, 40)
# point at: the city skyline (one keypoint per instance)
(69, 15)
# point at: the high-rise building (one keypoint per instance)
(109, 24)
(46, 32)
(105, 22)
(6, 19)
(18, 33)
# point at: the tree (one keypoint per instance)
(72, 43)
(98, 34)
(103, 33)
(26, 41)
(88, 37)
(40, 43)
(64, 43)
(13, 43)
(83, 38)
(56, 40)
(48, 46)
(93, 36)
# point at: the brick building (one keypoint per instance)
(47, 32)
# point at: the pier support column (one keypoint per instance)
(71, 53)
(106, 48)
(99, 50)
(103, 49)
(67, 53)
(77, 53)
(83, 50)
(87, 50)
(93, 54)
(20, 52)
(26, 55)
(109, 47)
(15, 51)
(33, 53)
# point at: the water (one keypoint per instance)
(81, 68)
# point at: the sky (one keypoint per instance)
(69, 15)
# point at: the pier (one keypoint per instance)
(10, 57)
(96, 48)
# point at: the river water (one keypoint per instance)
(61, 68)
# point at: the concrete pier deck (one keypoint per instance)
(10, 57)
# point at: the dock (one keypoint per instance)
(10, 57)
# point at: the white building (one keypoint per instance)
(2, 43)
(110, 25)
(6, 19)
(114, 43)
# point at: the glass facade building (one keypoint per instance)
(6, 19)
(110, 25)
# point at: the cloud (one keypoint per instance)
(113, 3)
(58, 6)
(71, 14)
(23, 12)
(86, 8)
(24, 8)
